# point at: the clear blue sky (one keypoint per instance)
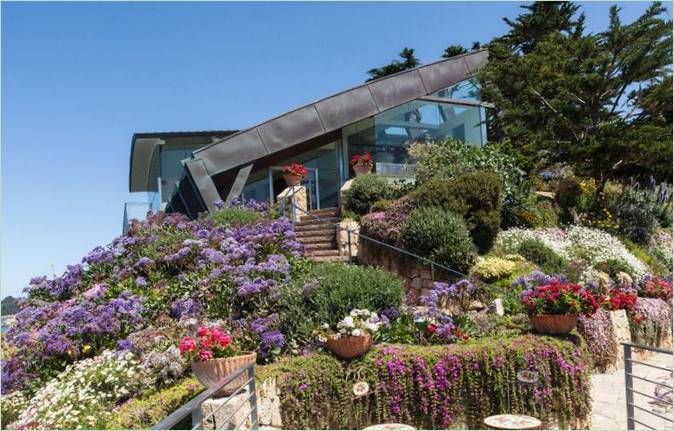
(78, 79)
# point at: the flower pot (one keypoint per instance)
(350, 347)
(292, 180)
(362, 169)
(554, 324)
(210, 372)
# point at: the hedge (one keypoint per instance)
(436, 387)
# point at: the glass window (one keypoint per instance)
(467, 90)
(387, 134)
(170, 166)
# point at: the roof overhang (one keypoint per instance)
(144, 158)
(337, 111)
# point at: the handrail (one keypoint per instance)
(647, 347)
(194, 405)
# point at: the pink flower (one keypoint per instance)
(205, 355)
(187, 344)
(224, 340)
(203, 331)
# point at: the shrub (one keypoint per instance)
(439, 235)
(655, 257)
(366, 190)
(382, 205)
(235, 216)
(435, 387)
(12, 406)
(148, 410)
(568, 192)
(385, 226)
(662, 250)
(80, 397)
(332, 290)
(636, 213)
(536, 251)
(475, 196)
(493, 268)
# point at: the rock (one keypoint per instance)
(269, 405)
(497, 307)
(476, 306)
(226, 414)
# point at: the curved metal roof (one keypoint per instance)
(334, 112)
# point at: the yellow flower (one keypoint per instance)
(86, 348)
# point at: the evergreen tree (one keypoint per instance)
(569, 96)
(454, 50)
(409, 62)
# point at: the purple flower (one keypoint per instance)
(124, 344)
(303, 387)
(141, 281)
(185, 307)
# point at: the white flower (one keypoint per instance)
(357, 333)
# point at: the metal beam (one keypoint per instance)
(203, 182)
(239, 183)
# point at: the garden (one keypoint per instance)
(118, 340)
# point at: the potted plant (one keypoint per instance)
(554, 307)
(294, 173)
(362, 164)
(353, 336)
(214, 356)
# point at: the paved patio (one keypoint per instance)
(608, 394)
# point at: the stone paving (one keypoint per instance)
(608, 394)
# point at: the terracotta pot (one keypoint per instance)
(208, 373)
(350, 347)
(292, 180)
(554, 324)
(362, 169)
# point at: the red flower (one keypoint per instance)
(203, 331)
(224, 340)
(187, 344)
(431, 328)
(295, 170)
(364, 159)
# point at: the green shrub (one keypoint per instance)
(613, 266)
(475, 196)
(536, 251)
(637, 214)
(493, 268)
(439, 235)
(148, 410)
(568, 192)
(643, 254)
(382, 205)
(332, 290)
(366, 190)
(235, 216)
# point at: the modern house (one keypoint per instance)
(188, 172)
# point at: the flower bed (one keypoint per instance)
(435, 387)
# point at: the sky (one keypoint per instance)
(78, 79)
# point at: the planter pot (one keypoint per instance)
(350, 347)
(362, 169)
(292, 180)
(554, 324)
(208, 373)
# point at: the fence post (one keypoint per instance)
(348, 235)
(253, 402)
(629, 395)
(432, 271)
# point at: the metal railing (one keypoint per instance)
(433, 265)
(630, 376)
(193, 408)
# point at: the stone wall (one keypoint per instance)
(343, 237)
(417, 276)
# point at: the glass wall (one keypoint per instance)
(466, 90)
(324, 160)
(387, 135)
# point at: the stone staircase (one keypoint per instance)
(320, 236)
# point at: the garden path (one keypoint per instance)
(608, 395)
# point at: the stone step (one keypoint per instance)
(318, 238)
(332, 252)
(309, 221)
(325, 212)
(323, 245)
(314, 228)
(328, 258)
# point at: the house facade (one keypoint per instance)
(188, 172)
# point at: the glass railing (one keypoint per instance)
(134, 211)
